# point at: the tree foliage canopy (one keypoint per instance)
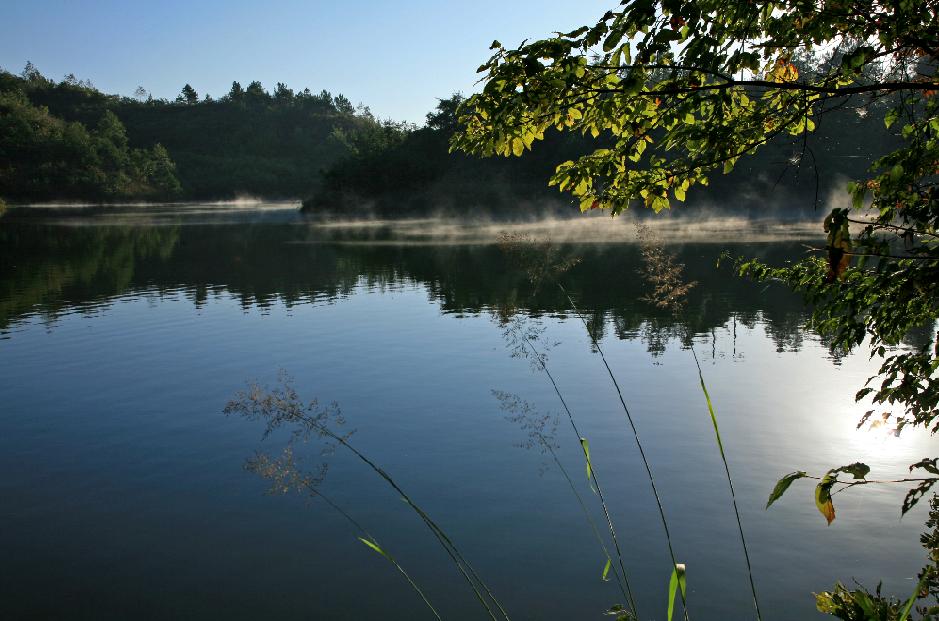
(679, 89)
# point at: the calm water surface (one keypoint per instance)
(124, 333)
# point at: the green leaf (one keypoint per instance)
(576, 33)
(891, 117)
(929, 465)
(373, 545)
(909, 603)
(782, 485)
(914, 495)
(586, 446)
(606, 570)
(857, 470)
(717, 432)
(613, 39)
(857, 191)
(677, 580)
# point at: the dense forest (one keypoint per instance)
(416, 172)
(68, 141)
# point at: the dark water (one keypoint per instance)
(124, 333)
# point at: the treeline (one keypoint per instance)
(410, 170)
(67, 140)
(43, 156)
(414, 171)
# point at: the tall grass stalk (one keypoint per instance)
(370, 540)
(279, 408)
(669, 291)
(730, 483)
(469, 574)
(542, 268)
(622, 579)
(632, 426)
(596, 482)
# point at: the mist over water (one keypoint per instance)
(588, 228)
(597, 229)
(124, 331)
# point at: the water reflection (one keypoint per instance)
(281, 408)
(47, 270)
(121, 475)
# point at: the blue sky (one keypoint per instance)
(396, 57)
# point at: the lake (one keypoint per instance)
(125, 332)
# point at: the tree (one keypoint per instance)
(31, 74)
(188, 95)
(444, 116)
(236, 93)
(160, 173)
(282, 94)
(324, 99)
(343, 105)
(678, 90)
(255, 92)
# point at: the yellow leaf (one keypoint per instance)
(823, 498)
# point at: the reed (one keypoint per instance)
(539, 256)
(662, 271)
(285, 476)
(521, 411)
(282, 406)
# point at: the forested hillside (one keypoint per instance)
(67, 140)
(415, 171)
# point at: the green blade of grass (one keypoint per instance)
(674, 583)
(586, 446)
(730, 484)
(373, 545)
(909, 603)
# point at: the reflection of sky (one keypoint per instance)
(112, 446)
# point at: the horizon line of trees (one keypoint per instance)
(791, 176)
(67, 140)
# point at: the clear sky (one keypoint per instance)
(396, 57)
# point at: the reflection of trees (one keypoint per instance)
(49, 269)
